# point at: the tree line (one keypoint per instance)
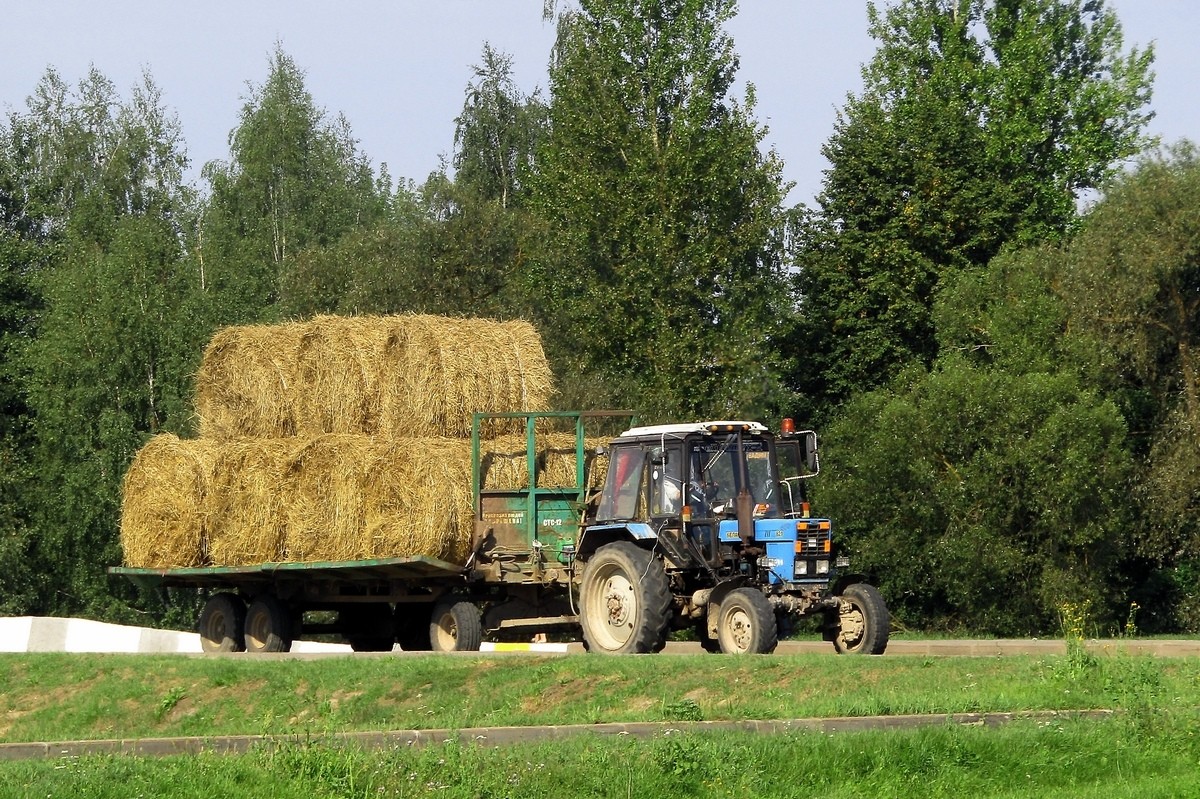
(1006, 384)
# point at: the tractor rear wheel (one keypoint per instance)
(624, 600)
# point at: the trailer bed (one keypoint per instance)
(416, 567)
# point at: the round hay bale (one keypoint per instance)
(164, 508)
(250, 498)
(340, 364)
(246, 386)
(419, 499)
(326, 478)
(445, 369)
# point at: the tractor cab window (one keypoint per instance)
(623, 485)
(715, 477)
(666, 481)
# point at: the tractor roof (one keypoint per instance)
(680, 430)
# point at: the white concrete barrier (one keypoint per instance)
(47, 634)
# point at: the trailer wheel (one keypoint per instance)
(268, 626)
(862, 622)
(222, 624)
(455, 626)
(624, 600)
(746, 623)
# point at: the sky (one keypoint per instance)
(397, 69)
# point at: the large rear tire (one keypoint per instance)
(863, 621)
(624, 601)
(746, 623)
(455, 626)
(268, 626)
(222, 624)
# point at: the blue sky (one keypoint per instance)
(397, 70)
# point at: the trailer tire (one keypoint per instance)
(861, 627)
(455, 626)
(746, 623)
(222, 624)
(624, 601)
(268, 626)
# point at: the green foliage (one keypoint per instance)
(110, 358)
(1131, 277)
(497, 133)
(657, 278)
(978, 125)
(980, 498)
(294, 180)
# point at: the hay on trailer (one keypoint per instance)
(389, 376)
(246, 386)
(341, 364)
(165, 503)
(449, 369)
(326, 502)
(249, 502)
(419, 499)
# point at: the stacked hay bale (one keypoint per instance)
(341, 439)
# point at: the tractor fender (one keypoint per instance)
(718, 593)
(598, 535)
(839, 585)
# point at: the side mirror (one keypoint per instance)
(808, 449)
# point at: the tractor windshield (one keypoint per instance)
(716, 476)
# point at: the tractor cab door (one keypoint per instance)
(798, 460)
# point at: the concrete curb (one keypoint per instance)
(50, 634)
(507, 736)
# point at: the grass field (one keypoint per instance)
(1148, 749)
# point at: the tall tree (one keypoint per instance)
(294, 180)
(1132, 276)
(454, 244)
(979, 125)
(103, 178)
(498, 132)
(658, 280)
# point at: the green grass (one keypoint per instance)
(1112, 759)
(54, 697)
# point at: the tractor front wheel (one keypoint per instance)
(746, 623)
(862, 622)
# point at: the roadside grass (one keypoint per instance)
(57, 697)
(1117, 758)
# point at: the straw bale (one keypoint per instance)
(246, 386)
(326, 502)
(419, 499)
(451, 368)
(341, 364)
(165, 503)
(249, 504)
(389, 376)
